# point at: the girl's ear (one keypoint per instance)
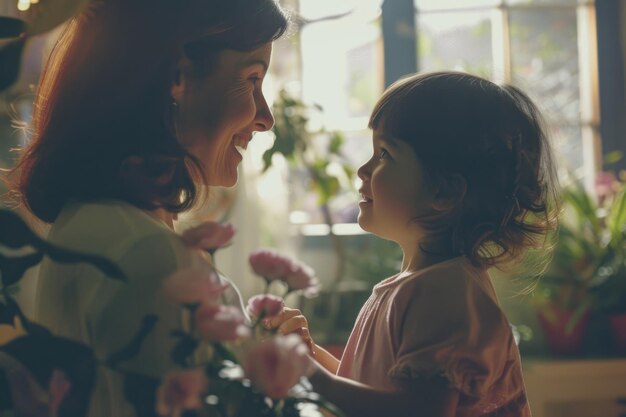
(449, 192)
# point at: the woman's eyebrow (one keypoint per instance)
(253, 62)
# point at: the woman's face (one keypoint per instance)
(219, 112)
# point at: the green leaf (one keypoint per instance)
(15, 232)
(613, 157)
(14, 268)
(183, 350)
(224, 352)
(335, 143)
(11, 27)
(616, 219)
(134, 346)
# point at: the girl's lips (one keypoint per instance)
(364, 198)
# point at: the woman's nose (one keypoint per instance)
(263, 120)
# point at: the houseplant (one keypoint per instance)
(316, 155)
(588, 270)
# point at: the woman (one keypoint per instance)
(141, 103)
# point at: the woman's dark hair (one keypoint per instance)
(102, 121)
(492, 139)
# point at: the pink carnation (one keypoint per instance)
(181, 391)
(219, 323)
(29, 399)
(274, 266)
(303, 278)
(209, 236)
(606, 185)
(270, 264)
(276, 364)
(265, 305)
(193, 286)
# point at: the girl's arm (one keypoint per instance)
(291, 320)
(359, 400)
(326, 359)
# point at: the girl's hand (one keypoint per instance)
(291, 320)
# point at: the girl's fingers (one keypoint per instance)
(293, 324)
(301, 331)
(285, 315)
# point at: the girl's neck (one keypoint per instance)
(421, 254)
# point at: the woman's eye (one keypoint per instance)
(254, 80)
(383, 154)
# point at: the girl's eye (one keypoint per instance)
(383, 154)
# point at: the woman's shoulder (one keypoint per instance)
(108, 227)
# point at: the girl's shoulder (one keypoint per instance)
(452, 287)
(452, 273)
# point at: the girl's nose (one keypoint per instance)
(363, 171)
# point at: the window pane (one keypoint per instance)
(356, 150)
(424, 5)
(568, 148)
(342, 68)
(544, 2)
(544, 54)
(455, 41)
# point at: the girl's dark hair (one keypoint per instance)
(491, 138)
(102, 121)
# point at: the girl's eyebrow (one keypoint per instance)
(389, 140)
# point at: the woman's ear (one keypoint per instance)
(449, 192)
(178, 83)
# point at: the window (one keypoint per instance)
(546, 47)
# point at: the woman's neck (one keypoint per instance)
(164, 216)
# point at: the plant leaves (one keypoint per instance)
(11, 27)
(612, 157)
(134, 346)
(31, 327)
(15, 232)
(140, 391)
(13, 268)
(41, 354)
(183, 350)
(61, 255)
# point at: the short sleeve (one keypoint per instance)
(118, 317)
(448, 326)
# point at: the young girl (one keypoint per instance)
(461, 177)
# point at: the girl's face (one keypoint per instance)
(394, 191)
(218, 113)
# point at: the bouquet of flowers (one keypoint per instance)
(238, 366)
(231, 365)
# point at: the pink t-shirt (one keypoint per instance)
(443, 320)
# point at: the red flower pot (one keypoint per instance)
(618, 329)
(554, 324)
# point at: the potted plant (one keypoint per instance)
(610, 289)
(588, 269)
